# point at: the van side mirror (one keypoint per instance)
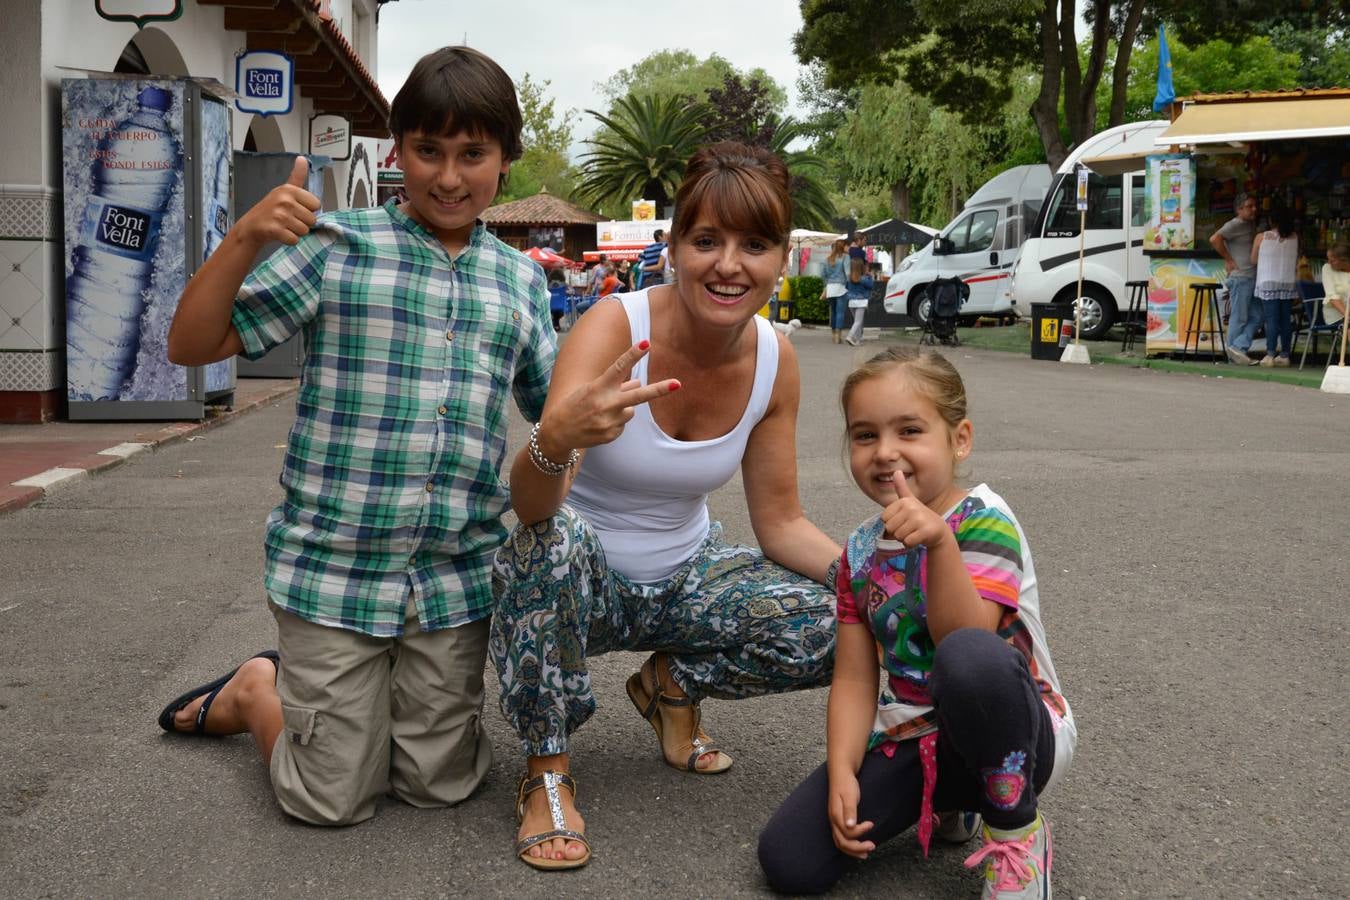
(943, 246)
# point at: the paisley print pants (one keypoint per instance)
(735, 625)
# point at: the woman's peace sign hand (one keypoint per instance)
(596, 413)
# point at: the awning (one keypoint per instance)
(1118, 163)
(890, 232)
(1259, 120)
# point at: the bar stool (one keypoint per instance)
(1136, 318)
(1206, 318)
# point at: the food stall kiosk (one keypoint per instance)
(1289, 148)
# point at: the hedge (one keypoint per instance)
(806, 293)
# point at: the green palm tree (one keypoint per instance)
(642, 151)
(811, 204)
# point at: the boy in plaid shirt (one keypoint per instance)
(418, 325)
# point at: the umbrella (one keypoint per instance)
(547, 258)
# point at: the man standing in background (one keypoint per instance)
(1234, 243)
(651, 265)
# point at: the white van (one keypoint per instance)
(979, 246)
(1113, 251)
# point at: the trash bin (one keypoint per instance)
(1048, 322)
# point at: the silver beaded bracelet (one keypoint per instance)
(542, 462)
(832, 573)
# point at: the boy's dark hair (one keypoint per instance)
(457, 90)
(658, 235)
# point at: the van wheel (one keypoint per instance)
(920, 307)
(1098, 312)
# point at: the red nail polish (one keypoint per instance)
(643, 345)
(674, 385)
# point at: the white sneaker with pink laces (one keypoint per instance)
(1016, 863)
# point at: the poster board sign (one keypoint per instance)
(619, 235)
(1082, 192)
(330, 136)
(139, 11)
(1169, 201)
(265, 82)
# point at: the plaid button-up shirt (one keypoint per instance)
(392, 472)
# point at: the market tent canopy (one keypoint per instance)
(802, 235)
(890, 232)
(1260, 120)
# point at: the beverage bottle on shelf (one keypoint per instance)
(134, 170)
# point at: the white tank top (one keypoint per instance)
(646, 494)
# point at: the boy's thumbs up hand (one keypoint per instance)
(286, 214)
(299, 172)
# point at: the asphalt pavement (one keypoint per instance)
(1190, 535)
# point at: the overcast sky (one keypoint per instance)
(577, 43)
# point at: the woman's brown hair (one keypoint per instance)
(743, 188)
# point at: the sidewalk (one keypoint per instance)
(36, 459)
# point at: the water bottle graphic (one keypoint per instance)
(134, 170)
(217, 200)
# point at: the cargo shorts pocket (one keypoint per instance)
(298, 722)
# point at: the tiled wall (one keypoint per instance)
(32, 309)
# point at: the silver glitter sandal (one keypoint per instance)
(549, 781)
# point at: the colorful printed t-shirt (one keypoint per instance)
(884, 586)
(391, 477)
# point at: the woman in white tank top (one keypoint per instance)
(657, 399)
(1275, 253)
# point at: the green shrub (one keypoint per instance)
(806, 292)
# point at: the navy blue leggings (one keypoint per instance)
(988, 710)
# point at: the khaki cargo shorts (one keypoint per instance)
(365, 716)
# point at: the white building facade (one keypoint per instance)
(331, 42)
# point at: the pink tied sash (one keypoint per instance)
(928, 761)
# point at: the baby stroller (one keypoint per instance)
(946, 296)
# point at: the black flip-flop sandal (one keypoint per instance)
(211, 689)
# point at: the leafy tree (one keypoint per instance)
(1211, 67)
(667, 73)
(546, 137)
(1323, 53)
(1236, 20)
(642, 151)
(740, 110)
(812, 206)
(963, 57)
(926, 158)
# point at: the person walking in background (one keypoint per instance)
(651, 264)
(940, 588)
(1234, 242)
(1275, 253)
(857, 294)
(835, 275)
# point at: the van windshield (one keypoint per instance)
(1105, 206)
(974, 232)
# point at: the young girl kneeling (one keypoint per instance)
(939, 588)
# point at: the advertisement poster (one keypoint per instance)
(627, 235)
(1169, 201)
(124, 230)
(128, 247)
(217, 156)
(1169, 302)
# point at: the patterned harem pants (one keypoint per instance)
(735, 625)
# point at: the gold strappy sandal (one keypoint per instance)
(654, 706)
(549, 781)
